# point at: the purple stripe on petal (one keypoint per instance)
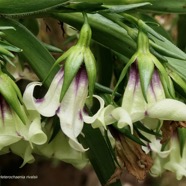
(59, 77)
(134, 79)
(40, 100)
(4, 107)
(80, 116)
(152, 89)
(81, 77)
(155, 83)
(58, 110)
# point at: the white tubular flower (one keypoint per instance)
(12, 129)
(176, 163)
(157, 108)
(59, 149)
(70, 110)
(8, 118)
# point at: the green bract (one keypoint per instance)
(75, 57)
(12, 95)
(145, 63)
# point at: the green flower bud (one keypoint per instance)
(11, 93)
(75, 57)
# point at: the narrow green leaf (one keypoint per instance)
(52, 48)
(22, 7)
(10, 47)
(119, 41)
(178, 80)
(104, 63)
(142, 136)
(104, 89)
(165, 6)
(5, 52)
(122, 8)
(33, 50)
(102, 29)
(127, 133)
(177, 65)
(142, 127)
(99, 155)
(124, 71)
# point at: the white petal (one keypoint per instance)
(156, 146)
(133, 101)
(104, 117)
(60, 149)
(123, 118)
(91, 119)
(24, 150)
(71, 108)
(48, 105)
(35, 134)
(168, 109)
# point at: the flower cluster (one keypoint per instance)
(27, 123)
(147, 123)
(148, 99)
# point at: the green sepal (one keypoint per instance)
(71, 68)
(182, 139)
(146, 69)
(12, 95)
(144, 61)
(124, 71)
(167, 84)
(59, 60)
(90, 64)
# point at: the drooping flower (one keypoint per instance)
(175, 162)
(70, 110)
(59, 149)
(17, 136)
(12, 129)
(157, 107)
(15, 122)
(169, 158)
(135, 108)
